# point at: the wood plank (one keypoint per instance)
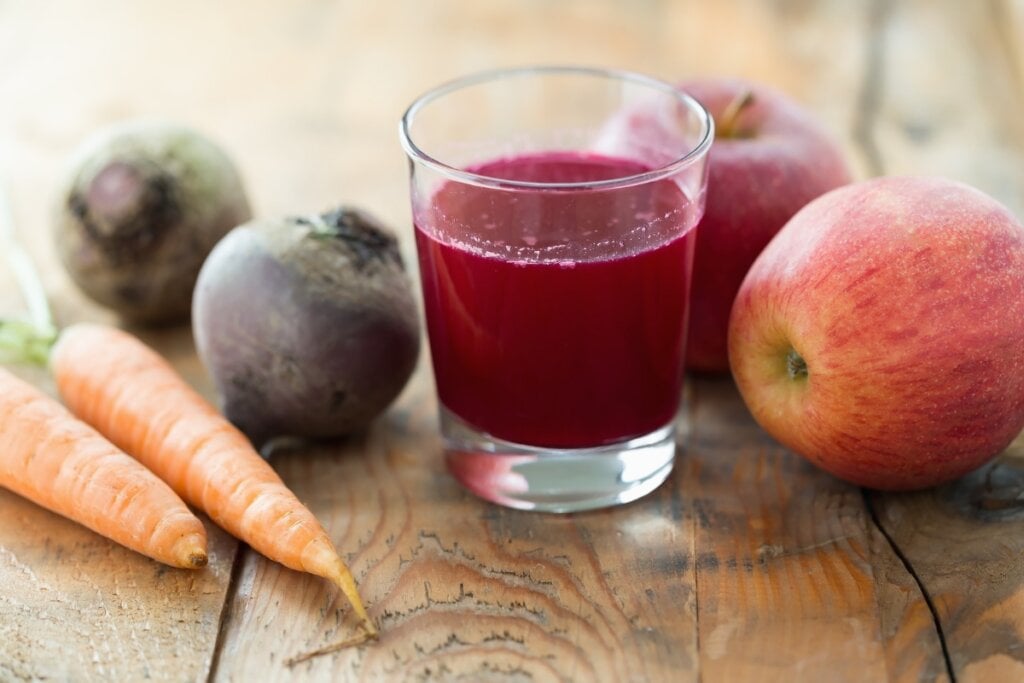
(75, 606)
(954, 113)
(794, 581)
(462, 588)
(965, 542)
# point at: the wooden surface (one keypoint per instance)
(748, 564)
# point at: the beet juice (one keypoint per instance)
(557, 314)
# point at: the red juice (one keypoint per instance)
(557, 316)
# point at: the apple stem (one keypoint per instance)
(727, 121)
(796, 366)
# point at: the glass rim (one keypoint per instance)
(691, 156)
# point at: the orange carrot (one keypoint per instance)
(136, 399)
(62, 464)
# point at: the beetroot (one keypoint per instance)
(307, 325)
(142, 206)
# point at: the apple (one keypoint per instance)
(881, 332)
(770, 157)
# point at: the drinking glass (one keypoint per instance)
(555, 212)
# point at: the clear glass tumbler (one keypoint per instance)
(555, 212)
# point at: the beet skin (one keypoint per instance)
(308, 326)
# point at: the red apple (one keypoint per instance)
(769, 159)
(881, 333)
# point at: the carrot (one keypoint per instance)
(136, 399)
(64, 465)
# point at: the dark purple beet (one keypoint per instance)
(308, 326)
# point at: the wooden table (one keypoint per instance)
(748, 565)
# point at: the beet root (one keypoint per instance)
(140, 210)
(308, 326)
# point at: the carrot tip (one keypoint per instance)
(369, 628)
(343, 579)
(190, 551)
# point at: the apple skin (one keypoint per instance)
(781, 160)
(904, 296)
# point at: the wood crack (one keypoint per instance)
(696, 613)
(698, 516)
(225, 612)
(905, 561)
(870, 97)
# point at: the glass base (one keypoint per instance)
(556, 480)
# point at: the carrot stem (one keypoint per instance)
(24, 342)
(25, 271)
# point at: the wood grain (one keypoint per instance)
(720, 572)
(964, 542)
(783, 546)
(463, 589)
(75, 606)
